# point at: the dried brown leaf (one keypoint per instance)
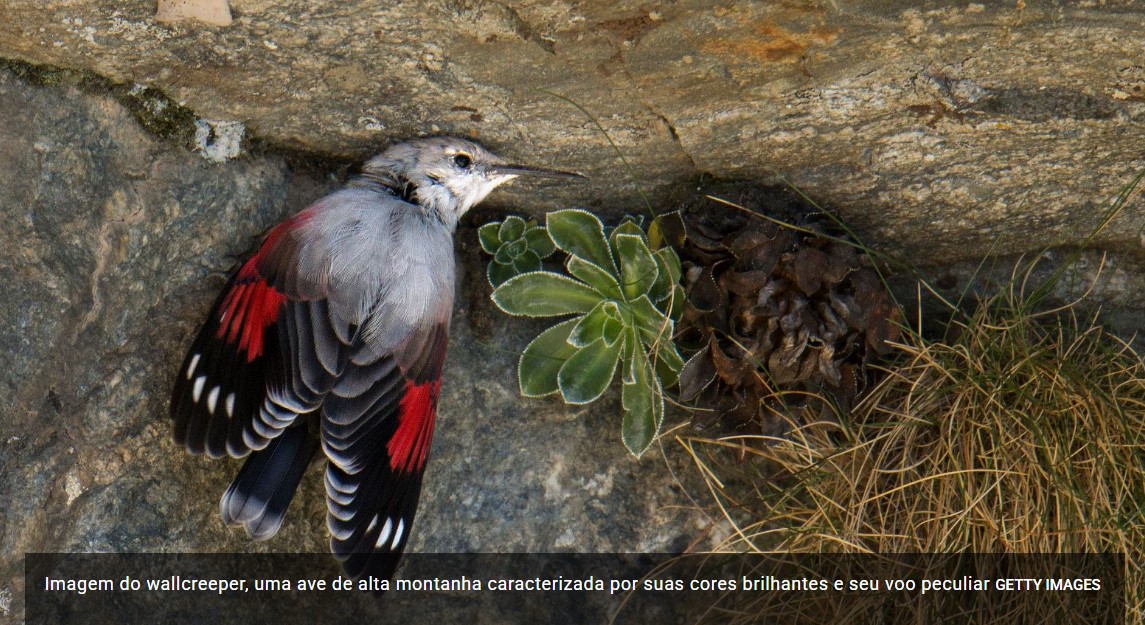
(809, 366)
(704, 294)
(743, 283)
(739, 407)
(833, 326)
(783, 364)
(768, 303)
(673, 228)
(849, 310)
(810, 265)
(698, 374)
(730, 369)
(867, 287)
(828, 366)
(842, 260)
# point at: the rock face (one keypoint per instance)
(940, 131)
(112, 251)
(986, 126)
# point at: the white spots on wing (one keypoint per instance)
(197, 390)
(191, 367)
(385, 534)
(372, 525)
(230, 404)
(212, 400)
(398, 534)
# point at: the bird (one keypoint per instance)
(330, 340)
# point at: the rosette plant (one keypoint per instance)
(621, 297)
(517, 247)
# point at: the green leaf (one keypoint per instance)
(510, 250)
(643, 401)
(668, 277)
(544, 294)
(665, 374)
(668, 354)
(631, 346)
(526, 262)
(628, 227)
(540, 241)
(586, 374)
(655, 234)
(543, 358)
(592, 326)
(668, 363)
(605, 283)
(580, 233)
(613, 330)
(498, 273)
(512, 229)
(487, 236)
(656, 331)
(637, 265)
(653, 324)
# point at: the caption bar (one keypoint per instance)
(619, 588)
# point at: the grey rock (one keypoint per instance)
(983, 125)
(114, 247)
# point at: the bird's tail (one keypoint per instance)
(260, 494)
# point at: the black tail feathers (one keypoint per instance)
(259, 496)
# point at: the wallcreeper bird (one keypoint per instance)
(332, 336)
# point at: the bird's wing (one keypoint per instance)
(269, 351)
(377, 424)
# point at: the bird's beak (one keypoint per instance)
(526, 170)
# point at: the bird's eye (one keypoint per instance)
(462, 160)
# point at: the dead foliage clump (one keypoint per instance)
(786, 320)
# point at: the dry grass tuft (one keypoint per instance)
(1023, 433)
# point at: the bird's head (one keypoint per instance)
(447, 174)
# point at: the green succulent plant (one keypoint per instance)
(517, 246)
(623, 297)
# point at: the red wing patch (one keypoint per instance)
(252, 305)
(248, 309)
(409, 446)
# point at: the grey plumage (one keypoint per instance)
(332, 337)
